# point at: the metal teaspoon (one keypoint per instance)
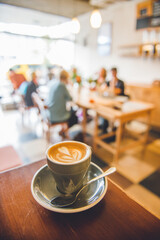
(67, 200)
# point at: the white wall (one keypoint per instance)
(131, 70)
(123, 18)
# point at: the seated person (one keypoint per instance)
(30, 88)
(101, 81)
(16, 79)
(116, 86)
(102, 76)
(56, 101)
(50, 74)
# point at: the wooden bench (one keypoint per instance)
(9, 158)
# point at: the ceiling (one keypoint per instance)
(66, 8)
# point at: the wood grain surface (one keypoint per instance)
(115, 217)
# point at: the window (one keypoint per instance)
(104, 39)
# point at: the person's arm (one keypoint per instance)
(119, 89)
(122, 89)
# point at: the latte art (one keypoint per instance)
(68, 155)
(68, 152)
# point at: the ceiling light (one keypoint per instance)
(96, 19)
(75, 26)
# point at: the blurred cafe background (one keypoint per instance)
(95, 41)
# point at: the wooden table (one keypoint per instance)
(115, 217)
(105, 107)
(122, 118)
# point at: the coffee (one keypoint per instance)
(69, 162)
(67, 152)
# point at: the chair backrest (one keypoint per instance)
(22, 100)
(37, 101)
(22, 105)
(40, 105)
(156, 83)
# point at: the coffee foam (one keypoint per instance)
(67, 153)
(64, 155)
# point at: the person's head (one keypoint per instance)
(114, 72)
(11, 72)
(102, 76)
(64, 76)
(34, 78)
(103, 73)
(50, 73)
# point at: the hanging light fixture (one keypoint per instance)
(75, 25)
(96, 19)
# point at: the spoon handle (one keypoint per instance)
(109, 171)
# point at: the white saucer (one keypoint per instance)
(43, 189)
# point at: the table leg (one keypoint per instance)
(148, 127)
(95, 132)
(118, 140)
(84, 122)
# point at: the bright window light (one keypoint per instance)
(23, 29)
(59, 31)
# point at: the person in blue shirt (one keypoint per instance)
(57, 99)
(116, 84)
(31, 87)
(23, 88)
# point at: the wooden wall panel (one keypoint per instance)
(147, 94)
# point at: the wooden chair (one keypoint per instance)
(22, 107)
(39, 103)
(136, 127)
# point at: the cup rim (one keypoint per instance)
(89, 152)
